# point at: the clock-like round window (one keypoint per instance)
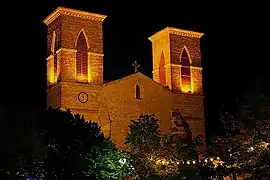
(83, 97)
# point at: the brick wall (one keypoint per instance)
(158, 46)
(177, 43)
(118, 98)
(53, 96)
(54, 26)
(71, 27)
(172, 45)
(114, 104)
(67, 27)
(69, 99)
(192, 108)
(196, 81)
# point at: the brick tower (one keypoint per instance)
(74, 60)
(177, 64)
(177, 60)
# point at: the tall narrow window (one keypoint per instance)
(138, 92)
(81, 59)
(55, 65)
(185, 71)
(52, 67)
(162, 73)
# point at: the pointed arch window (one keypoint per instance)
(138, 92)
(162, 72)
(81, 59)
(55, 67)
(185, 71)
(52, 63)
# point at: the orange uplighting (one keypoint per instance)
(75, 65)
(186, 89)
(51, 75)
(89, 73)
(82, 78)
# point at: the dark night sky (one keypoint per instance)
(235, 46)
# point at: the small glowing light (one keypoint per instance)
(188, 162)
(230, 154)
(218, 158)
(122, 161)
(205, 160)
(177, 162)
(211, 159)
(193, 162)
(251, 148)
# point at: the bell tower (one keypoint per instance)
(177, 60)
(74, 60)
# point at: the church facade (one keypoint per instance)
(75, 77)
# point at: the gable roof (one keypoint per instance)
(133, 75)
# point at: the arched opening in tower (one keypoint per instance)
(185, 71)
(162, 72)
(81, 59)
(55, 63)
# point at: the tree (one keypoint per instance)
(245, 149)
(161, 156)
(17, 136)
(245, 146)
(104, 162)
(61, 145)
(76, 149)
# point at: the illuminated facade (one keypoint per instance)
(75, 77)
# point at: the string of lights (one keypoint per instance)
(215, 160)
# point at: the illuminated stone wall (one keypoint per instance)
(119, 106)
(114, 104)
(122, 106)
(192, 108)
(162, 45)
(67, 25)
(53, 96)
(193, 46)
(69, 98)
(171, 41)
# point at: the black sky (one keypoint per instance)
(235, 46)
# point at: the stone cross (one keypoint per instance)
(136, 66)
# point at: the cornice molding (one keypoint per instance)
(72, 12)
(95, 54)
(178, 65)
(66, 49)
(196, 67)
(180, 32)
(191, 67)
(74, 51)
(49, 57)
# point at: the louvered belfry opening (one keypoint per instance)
(81, 59)
(162, 72)
(185, 70)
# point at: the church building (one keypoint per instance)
(75, 77)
